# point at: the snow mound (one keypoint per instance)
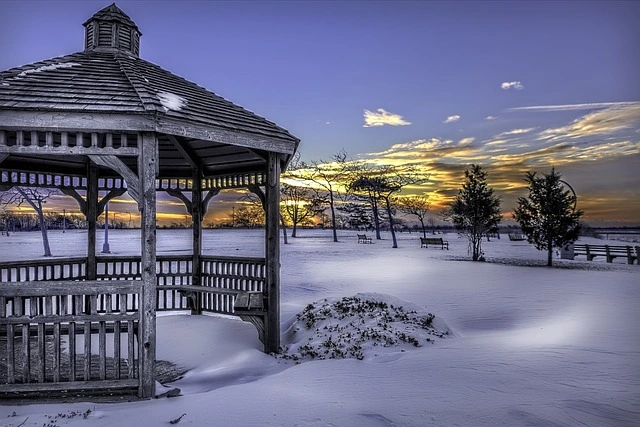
(359, 327)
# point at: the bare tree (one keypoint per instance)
(331, 177)
(36, 198)
(432, 223)
(416, 205)
(384, 183)
(362, 186)
(299, 205)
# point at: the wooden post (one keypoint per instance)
(196, 218)
(147, 163)
(92, 216)
(272, 252)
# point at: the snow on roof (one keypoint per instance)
(171, 101)
(48, 68)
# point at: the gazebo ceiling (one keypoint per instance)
(107, 87)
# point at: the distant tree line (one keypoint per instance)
(359, 195)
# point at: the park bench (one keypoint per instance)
(608, 251)
(517, 237)
(362, 238)
(250, 302)
(426, 241)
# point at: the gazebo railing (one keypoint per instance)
(45, 269)
(225, 277)
(222, 278)
(57, 328)
(53, 336)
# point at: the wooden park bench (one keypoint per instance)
(517, 237)
(251, 307)
(608, 251)
(426, 241)
(362, 238)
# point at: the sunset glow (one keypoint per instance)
(434, 85)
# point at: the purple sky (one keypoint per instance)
(514, 86)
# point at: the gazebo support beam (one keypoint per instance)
(114, 163)
(147, 164)
(92, 217)
(196, 219)
(82, 204)
(255, 189)
(272, 252)
(178, 194)
(205, 202)
(109, 196)
(186, 152)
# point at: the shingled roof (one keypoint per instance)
(108, 76)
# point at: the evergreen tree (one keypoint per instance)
(548, 216)
(476, 210)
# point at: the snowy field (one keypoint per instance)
(526, 345)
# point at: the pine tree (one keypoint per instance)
(548, 216)
(476, 210)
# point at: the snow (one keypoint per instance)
(171, 101)
(50, 67)
(528, 345)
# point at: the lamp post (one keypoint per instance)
(105, 246)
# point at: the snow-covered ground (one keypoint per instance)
(527, 344)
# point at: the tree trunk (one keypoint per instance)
(284, 230)
(376, 220)
(294, 219)
(549, 253)
(424, 230)
(393, 232)
(333, 218)
(476, 244)
(43, 230)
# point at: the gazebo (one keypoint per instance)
(96, 124)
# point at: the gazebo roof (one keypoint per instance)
(105, 81)
(109, 78)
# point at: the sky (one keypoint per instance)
(513, 86)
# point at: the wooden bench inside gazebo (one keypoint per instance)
(99, 123)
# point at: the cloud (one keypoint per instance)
(511, 85)
(490, 118)
(381, 117)
(600, 122)
(516, 132)
(452, 119)
(496, 142)
(569, 107)
(466, 141)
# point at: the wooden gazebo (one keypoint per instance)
(95, 124)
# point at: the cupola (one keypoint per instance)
(111, 29)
